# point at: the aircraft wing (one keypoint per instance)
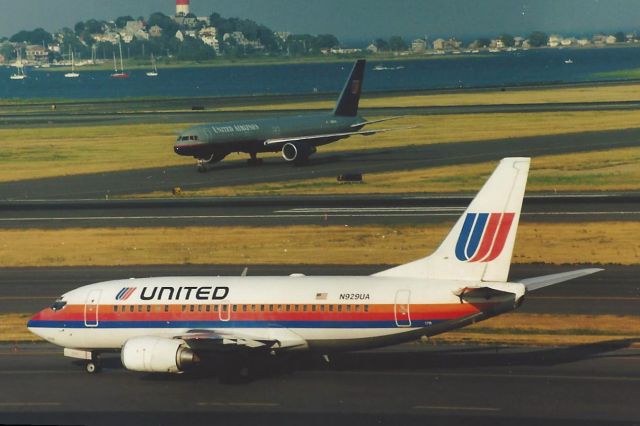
(223, 341)
(312, 138)
(365, 123)
(536, 283)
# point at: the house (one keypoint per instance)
(438, 44)
(36, 53)
(155, 31)
(419, 45)
(373, 48)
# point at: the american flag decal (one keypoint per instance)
(321, 296)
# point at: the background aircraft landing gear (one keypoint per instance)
(254, 160)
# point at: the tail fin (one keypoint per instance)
(480, 245)
(350, 98)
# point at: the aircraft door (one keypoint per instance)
(225, 311)
(91, 307)
(402, 308)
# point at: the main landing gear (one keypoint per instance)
(254, 160)
(93, 366)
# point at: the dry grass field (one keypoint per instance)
(48, 152)
(592, 243)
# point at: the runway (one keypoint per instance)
(615, 291)
(408, 384)
(301, 210)
(233, 173)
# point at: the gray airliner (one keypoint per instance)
(297, 137)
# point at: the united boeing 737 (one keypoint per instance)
(170, 324)
(297, 137)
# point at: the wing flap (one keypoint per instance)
(279, 338)
(536, 283)
(366, 123)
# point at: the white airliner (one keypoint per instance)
(168, 324)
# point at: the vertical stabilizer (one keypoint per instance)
(480, 245)
(349, 100)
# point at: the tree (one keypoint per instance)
(381, 44)
(508, 40)
(538, 39)
(37, 36)
(620, 37)
(484, 42)
(397, 43)
(121, 22)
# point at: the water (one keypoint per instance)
(513, 68)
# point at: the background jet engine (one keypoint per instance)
(297, 152)
(157, 355)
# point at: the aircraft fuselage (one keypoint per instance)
(249, 136)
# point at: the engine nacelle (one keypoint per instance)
(297, 151)
(157, 355)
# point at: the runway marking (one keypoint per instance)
(238, 404)
(30, 404)
(318, 212)
(591, 298)
(13, 298)
(501, 376)
(454, 408)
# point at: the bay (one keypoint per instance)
(541, 66)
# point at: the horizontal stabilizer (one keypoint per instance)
(366, 123)
(540, 282)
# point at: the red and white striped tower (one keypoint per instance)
(182, 7)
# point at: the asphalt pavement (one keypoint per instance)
(407, 384)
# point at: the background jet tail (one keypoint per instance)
(349, 100)
(480, 245)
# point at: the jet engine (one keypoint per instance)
(157, 355)
(297, 152)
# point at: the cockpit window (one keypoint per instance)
(188, 138)
(58, 305)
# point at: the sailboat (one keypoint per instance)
(73, 73)
(20, 75)
(121, 73)
(153, 73)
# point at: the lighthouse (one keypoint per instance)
(182, 7)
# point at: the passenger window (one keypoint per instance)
(131, 308)
(139, 308)
(295, 308)
(253, 308)
(225, 308)
(357, 308)
(261, 308)
(330, 308)
(304, 308)
(313, 308)
(115, 308)
(339, 308)
(348, 308)
(235, 308)
(270, 308)
(244, 308)
(191, 308)
(279, 308)
(166, 308)
(148, 308)
(215, 308)
(208, 308)
(184, 308)
(199, 308)
(366, 308)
